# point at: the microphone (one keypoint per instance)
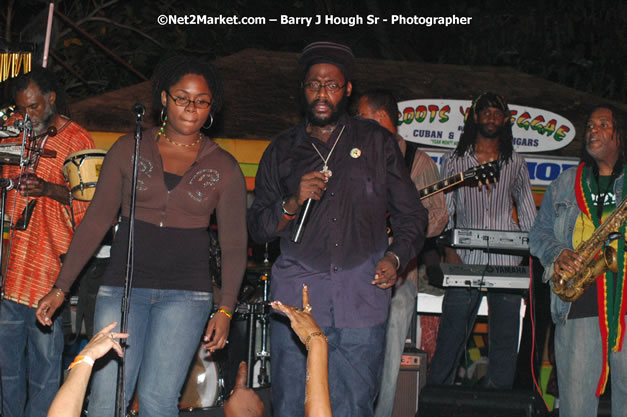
(301, 221)
(7, 184)
(139, 109)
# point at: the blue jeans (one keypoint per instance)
(459, 310)
(402, 306)
(30, 356)
(355, 361)
(165, 328)
(578, 357)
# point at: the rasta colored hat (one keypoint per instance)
(327, 53)
(486, 100)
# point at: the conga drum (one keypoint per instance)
(81, 170)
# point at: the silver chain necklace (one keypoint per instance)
(325, 169)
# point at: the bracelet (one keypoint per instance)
(286, 214)
(58, 292)
(81, 359)
(287, 217)
(312, 335)
(398, 261)
(226, 312)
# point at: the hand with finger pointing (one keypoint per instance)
(302, 321)
(243, 401)
(103, 341)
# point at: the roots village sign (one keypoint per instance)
(440, 122)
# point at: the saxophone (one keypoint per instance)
(570, 287)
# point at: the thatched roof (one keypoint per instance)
(262, 95)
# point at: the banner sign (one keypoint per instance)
(440, 122)
(542, 169)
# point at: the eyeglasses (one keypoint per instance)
(316, 86)
(184, 102)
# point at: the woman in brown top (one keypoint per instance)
(183, 177)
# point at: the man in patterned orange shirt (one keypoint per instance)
(30, 355)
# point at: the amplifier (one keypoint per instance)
(411, 378)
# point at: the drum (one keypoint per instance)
(81, 170)
(204, 386)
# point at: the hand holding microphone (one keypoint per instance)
(312, 186)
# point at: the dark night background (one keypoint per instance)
(578, 43)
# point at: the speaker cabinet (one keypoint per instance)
(411, 378)
(446, 401)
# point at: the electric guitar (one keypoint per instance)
(488, 172)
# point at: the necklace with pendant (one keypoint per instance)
(325, 168)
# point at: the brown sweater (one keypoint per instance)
(214, 181)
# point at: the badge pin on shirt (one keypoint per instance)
(355, 153)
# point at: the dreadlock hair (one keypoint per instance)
(380, 99)
(171, 70)
(619, 122)
(47, 83)
(469, 135)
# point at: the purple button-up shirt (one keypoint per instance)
(346, 233)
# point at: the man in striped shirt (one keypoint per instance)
(30, 356)
(487, 136)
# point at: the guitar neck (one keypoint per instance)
(441, 185)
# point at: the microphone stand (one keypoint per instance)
(120, 409)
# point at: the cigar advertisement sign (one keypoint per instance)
(440, 122)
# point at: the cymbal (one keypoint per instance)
(263, 268)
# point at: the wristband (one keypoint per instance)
(287, 214)
(287, 217)
(398, 261)
(312, 335)
(81, 359)
(226, 312)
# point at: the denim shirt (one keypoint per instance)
(553, 229)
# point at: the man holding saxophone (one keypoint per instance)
(590, 322)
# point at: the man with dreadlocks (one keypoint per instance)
(572, 208)
(487, 136)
